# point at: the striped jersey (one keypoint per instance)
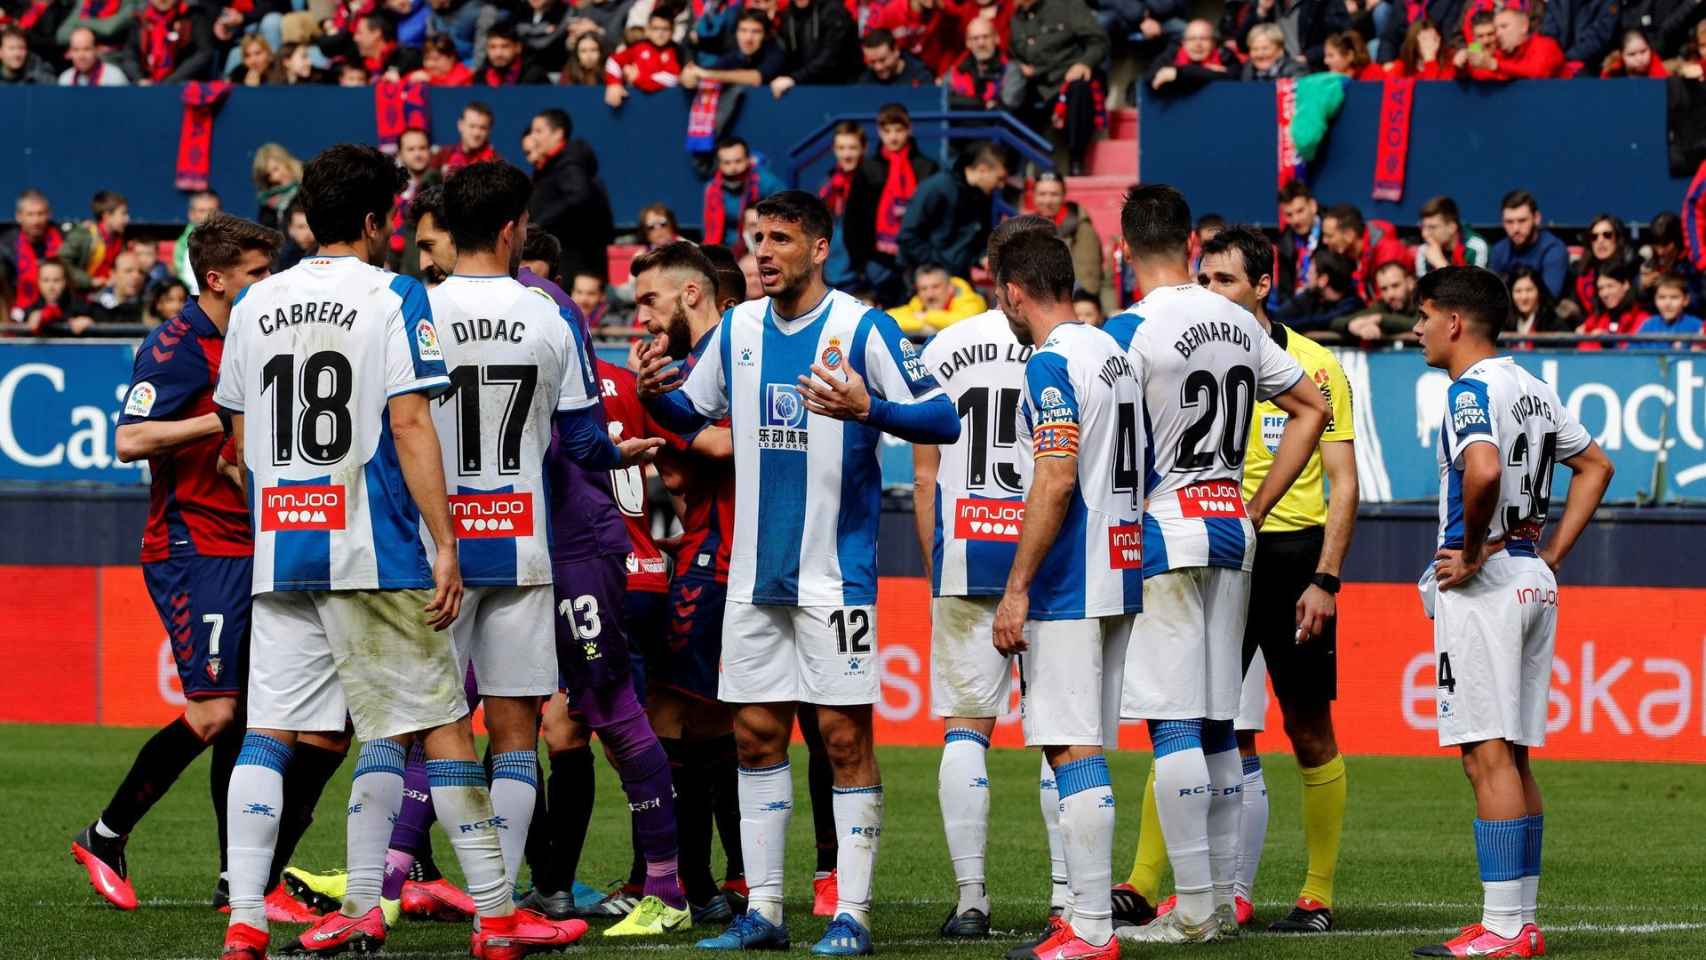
(808, 488)
(1497, 402)
(1083, 398)
(1205, 362)
(983, 476)
(515, 358)
(312, 356)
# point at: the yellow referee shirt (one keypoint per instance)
(1305, 504)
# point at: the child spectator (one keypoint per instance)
(1424, 55)
(877, 203)
(1617, 308)
(586, 66)
(92, 246)
(650, 65)
(1634, 57)
(1670, 295)
(1191, 61)
(1346, 53)
(354, 74)
(942, 301)
(166, 301)
(1268, 61)
(55, 303)
(439, 65)
(1608, 245)
(297, 60)
(147, 253)
(278, 175)
(1533, 308)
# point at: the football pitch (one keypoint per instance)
(1621, 878)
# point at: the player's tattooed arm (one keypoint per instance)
(145, 438)
(1045, 509)
(1482, 473)
(1591, 470)
(420, 458)
(926, 458)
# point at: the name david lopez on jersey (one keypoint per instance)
(981, 353)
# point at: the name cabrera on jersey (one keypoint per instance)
(983, 476)
(808, 488)
(1498, 402)
(1083, 398)
(312, 356)
(1205, 362)
(515, 358)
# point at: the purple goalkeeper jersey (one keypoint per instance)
(585, 521)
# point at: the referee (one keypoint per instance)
(1293, 612)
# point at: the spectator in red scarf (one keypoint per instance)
(1424, 54)
(1368, 244)
(439, 66)
(650, 65)
(87, 69)
(502, 64)
(414, 155)
(877, 203)
(921, 28)
(92, 246)
(998, 13)
(1073, 226)
(17, 64)
(848, 148)
(173, 43)
(1519, 55)
(1634, 57)
(1268, 60)
(819, 44)
(474, 145)
(887, 65)
(1195, 59)
(1607, 246)
(1617, 309)
(739, 184)
(1446, 242)
(54, 303)
(975, 82)
(26, 246)
(109, 22)
(1346, 53)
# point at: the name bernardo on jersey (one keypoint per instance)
(1198, 334)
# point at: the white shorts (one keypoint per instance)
(1187, 654)
(1493, 639)
(508, 634)
(776, 654)
(968, 676)
(1070, 679)
(1253, 698)
(315, 656)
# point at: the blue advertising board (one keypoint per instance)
(59, 404)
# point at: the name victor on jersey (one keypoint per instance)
(1198, 334)
(981, 353)
(1115, 367)
(325, 311)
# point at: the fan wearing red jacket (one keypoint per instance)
(1520, 55)
(923, 29)
(650, 65)
(1370, 244)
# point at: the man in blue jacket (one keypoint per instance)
(1527, 243)
(948, 220)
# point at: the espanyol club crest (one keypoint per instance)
(832, 354)
(214, 669)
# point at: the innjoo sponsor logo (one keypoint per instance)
(1125, 547)
(989, 520)
(302, 508)
(487, 515)
(1213, 498)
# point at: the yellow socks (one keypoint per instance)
(1151, 846)
(1323, 821)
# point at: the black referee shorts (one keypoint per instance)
(1303, 673)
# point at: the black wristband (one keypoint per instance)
(224, 416)
(1327, 582)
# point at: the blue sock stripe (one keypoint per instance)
(1218, 737)
(1500, 846)
(1081, 775)
(455, 773)
(1531, 845)
(1171, 736)
(1252, 764)
(381, 756)
(260, 750)
(522, 765)
(764, 771)
(848, 791)
(961, 733)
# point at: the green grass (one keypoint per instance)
(1622, 858)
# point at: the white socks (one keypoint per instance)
(1253, 828)
(766, 806)
(1181, 799)
(859, 821)
(463, 804)
(1048, 795)
(515, 790)
(1087, 835)
(253, 804)
(376, 795)
(1501, 907)
(962, 787)
(1225, 807)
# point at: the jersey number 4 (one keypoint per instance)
(1205, 394)
(466, 382)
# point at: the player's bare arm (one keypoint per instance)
(146, 438)
(1052, 484)
(1481, 476)
(1317, 606)
(843, 396)
(926, 458)
(718, 443)
(639, 450)
(1591, 474)
(1308, 413)
(423, 470)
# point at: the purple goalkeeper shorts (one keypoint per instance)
(592, 642)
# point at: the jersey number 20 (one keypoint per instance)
(1202, 392)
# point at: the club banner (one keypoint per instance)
(88, 648)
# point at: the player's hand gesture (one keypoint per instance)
(447, 588)
(1314, 609)
(1454, 568)
(830, 395)
(657, 374)
(639, 450)
(1009, 627)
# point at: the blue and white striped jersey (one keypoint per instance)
(983, 476)
(1083, 398)
(1497, 402)
(515, 358)
(808, 488)
(312, 357)
(1205, 362)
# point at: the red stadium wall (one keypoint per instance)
(1629, 680)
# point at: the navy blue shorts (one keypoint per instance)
(645, 617)
(204, 603)
(693, 646)
(592, 638)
